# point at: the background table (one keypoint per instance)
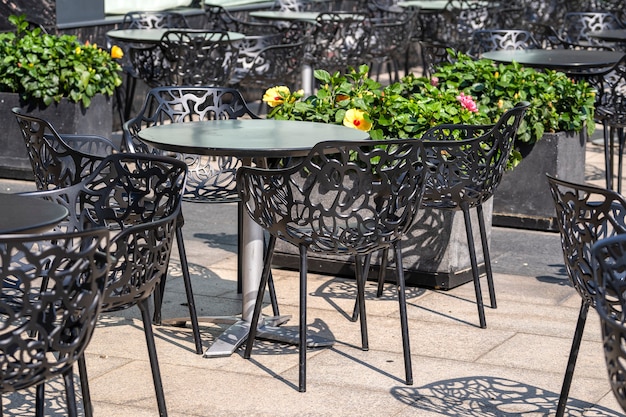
(566, 60)
(247, 139)
(153, 36)
(22, 214)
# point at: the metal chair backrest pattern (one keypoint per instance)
(585, 214)
(199, 57)
(154, 20)
(610, 259)
(60, 160)
(486, 40)
(577, 25)
(343, 198)
(52, 291)
(138, 199)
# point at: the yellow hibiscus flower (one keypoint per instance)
(276, 95)
(355, 119)
(116, 52)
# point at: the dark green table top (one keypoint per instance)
(246, 137)
(152, 35)
(22, 214)
(560, 59)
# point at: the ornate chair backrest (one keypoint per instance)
(209, 179)
(60, 160)
(498, 39)
(344, 197)
(52, 290)
(199, 57)
(610, 89)
(154, 20)
(585, 214)
(339, 40)
(467, 161)
(610, 258)
(577, 26)
(138, 199)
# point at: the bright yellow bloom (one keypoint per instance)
(276, 95)
(355, 119)
(78, 50)
(116, 52)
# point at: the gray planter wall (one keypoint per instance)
(523, 198)
(66, 117)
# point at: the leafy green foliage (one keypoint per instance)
(410, 107)
(44, 68)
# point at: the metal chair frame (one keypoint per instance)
(344, 197)
(52, 292)
(138, 199)
(585, 214)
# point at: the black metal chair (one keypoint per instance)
(199, 57)
(265, 60)
(485, 40)
(390, 37)
(60, 160)
(209, 179)
(611, 112)
(145, 61)
(344, 197)
(466, 164)
(584, 214)
(219, 18)
(138, 199)
(576, 27)
(610, 261)
(338, 41)
(52, 291)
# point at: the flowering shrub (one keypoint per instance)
(466, 91)
(44, 68)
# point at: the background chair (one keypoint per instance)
(138, 199)
(145, 61)
(576, 27)
(52, 291)
(209, 179)
(485, 40)
(199, 57)
(60, 160)
(344, 197)
(584, 214)
(609, 255)
(466, 164)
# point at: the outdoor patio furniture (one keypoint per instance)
(52, 291)
(584, 214)
(577, 25)
(485, 40)
(138, 199)
(344, 197)
(466, 164)
(610, 259)
(209, 179)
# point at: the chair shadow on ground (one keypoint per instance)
(486, 396)
(22, 403)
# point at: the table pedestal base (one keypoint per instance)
(229, 341)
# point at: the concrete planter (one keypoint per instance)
(435, 252)
(66, 117)
(523, 198)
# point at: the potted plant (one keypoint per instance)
(57, 77)
(465, 91)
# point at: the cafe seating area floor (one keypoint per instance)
(514, 367)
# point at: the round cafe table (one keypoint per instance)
(247, 139)
(152, 36)
(566, 60)
(23, 214)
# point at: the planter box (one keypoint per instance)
(435, 252)
(66, 117)
(523, 198)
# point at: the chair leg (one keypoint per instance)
(256, 315)
(361, 276)
(239, 247)
(365, 268)
(154, 361)
(404, 323)
(84, 385)
(486, 256)
(573, 355)
(620, 163)
(70, 393)
(608, 155)
(193, 315)
(40, 394)
(476, 275)
(381, 273)
(302, 323)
